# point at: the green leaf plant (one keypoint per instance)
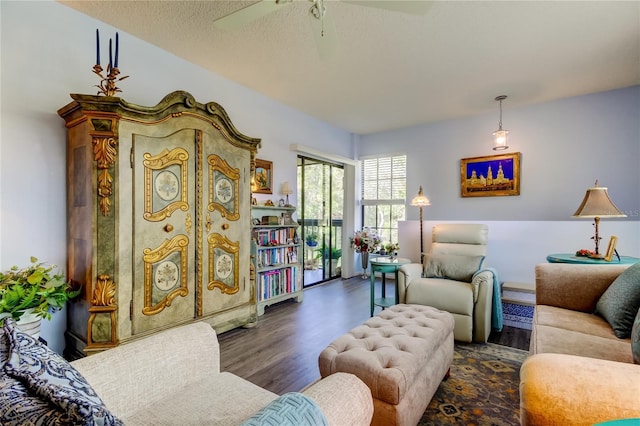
(37, 286)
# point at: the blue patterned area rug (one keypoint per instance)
(482, 388)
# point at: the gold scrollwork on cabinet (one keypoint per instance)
(165, 178)
(223, 264)
(224, 184)
(104, 292)
(165, 274)
(104, 153)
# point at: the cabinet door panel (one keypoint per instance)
(164, 253)
(225, 259)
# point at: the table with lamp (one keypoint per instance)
(596, 205)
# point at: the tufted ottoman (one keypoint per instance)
(402, 354)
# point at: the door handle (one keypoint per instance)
(168, 227)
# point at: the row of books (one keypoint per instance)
(277, 282)
(265, 237)
(277, 256)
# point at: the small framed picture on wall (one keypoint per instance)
(263, 177)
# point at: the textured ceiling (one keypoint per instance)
(388, 69)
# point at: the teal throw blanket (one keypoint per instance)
(496, 310)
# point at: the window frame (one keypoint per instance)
(387, 232)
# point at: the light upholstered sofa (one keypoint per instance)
(173, 378)
(579, 372)
(451, 279)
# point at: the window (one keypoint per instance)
(384, 189)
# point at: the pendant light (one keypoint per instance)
(500, 135)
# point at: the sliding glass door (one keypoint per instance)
(320, 209)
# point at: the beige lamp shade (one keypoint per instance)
(420, 200)
(596, 203)
(286, 189)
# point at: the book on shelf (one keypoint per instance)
(273, 256)
(266, 237)
(276, 282)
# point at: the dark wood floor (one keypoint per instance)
(281, 353)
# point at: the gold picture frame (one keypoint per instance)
(611, 248)
(490, 176)
(263, 177)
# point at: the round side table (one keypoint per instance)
(572, 258)
(384, 265)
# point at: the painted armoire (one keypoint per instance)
(158, 219)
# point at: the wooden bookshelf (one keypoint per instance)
(275, 253)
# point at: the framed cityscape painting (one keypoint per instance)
(490, 176)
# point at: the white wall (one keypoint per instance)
(515, 247)
(566, 145)
(48, 51)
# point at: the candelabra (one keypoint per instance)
(107, 86)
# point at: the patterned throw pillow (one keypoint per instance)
(621, 301)
(18, 407)
(51, 378)
(635, 339)
(453, 266)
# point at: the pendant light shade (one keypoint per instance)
(500, 136)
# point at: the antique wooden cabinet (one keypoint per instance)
(159, 218)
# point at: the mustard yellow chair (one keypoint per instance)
(451, 278)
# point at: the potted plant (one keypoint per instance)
(323, 253)
(311, 239)
(35, 290)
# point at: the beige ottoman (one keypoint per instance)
(402, 354)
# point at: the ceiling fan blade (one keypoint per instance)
(250, 13)
(413, 7)
(324, 33)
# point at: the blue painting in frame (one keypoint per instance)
(490, 176)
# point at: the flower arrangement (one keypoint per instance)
(585, 253)
(366, 240)
(391, 247)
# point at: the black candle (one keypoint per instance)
(97, 47)
(116, 62)
(110, 55)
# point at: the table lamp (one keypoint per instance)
(421, 201)
(597, 204)
(286, 190)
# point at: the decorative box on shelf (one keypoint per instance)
(275, 253)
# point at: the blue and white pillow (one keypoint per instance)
(52, 381)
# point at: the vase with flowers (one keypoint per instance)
(364, 242)
(392, 249)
